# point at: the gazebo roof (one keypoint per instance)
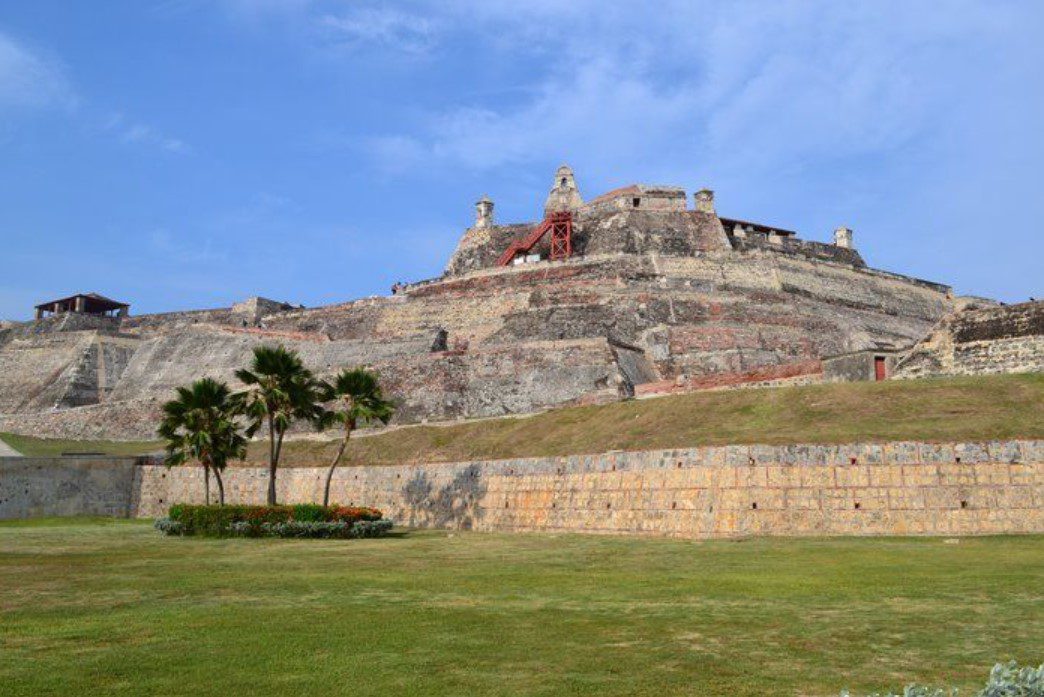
(96, 300)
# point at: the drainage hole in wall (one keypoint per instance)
(679, 464)
(608, 505)
(754, 505)
(958, 459)
(857, 505)
(674, 504)
(852, 461)
(750, 461)
(964, 504)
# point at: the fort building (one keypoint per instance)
(83, 303)
(632, 293)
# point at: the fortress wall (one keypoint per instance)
(67, 486)
(979, 341)
(35, 370)
(905, 488)
(134, 419)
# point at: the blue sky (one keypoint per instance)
(184, 153)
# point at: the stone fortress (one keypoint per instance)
(631, 293)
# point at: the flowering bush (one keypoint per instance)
(303, 520)
(1006, 680)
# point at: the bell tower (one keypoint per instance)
(564, 196)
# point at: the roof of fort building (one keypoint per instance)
(94, 302)
(637, 189)
(730, 223)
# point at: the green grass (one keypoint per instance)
(52, 447)
(111, 607)
(978, 408)
(973, 408)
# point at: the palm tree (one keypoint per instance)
(357, 398)
(200, 425)
(279, 390)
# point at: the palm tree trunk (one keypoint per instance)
(271, 463)
(206, 483)
(221, 487)
(333, 466)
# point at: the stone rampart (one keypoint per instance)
(34, 487)
(906, 488)
(980, 341)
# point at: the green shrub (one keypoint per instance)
(259, 521)
(169, 527)
(310, 513)
(1006, 680)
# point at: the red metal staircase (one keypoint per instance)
(560, 225)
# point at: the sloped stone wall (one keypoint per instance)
(865, 489)
(981, 341)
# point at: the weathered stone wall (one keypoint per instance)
(517, 340)
(979, 341)
(34, 487)
(870, 489)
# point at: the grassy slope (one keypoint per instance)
(50, 447)
(112, 608)
(979, 408)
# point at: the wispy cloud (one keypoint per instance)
(30, 78)
(167, 246)
(135, 133)
(382, 26)
(784, 83)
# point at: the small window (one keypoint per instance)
(563, 181)
(635, 202)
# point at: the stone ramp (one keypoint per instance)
(7, 451)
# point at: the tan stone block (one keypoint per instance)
(886, 475)
(817, 476)
(801, 499)
(852, 475)
(952, 474)
(905, 498)
(920, 475)
(992, 473)
(777, 476)
(1025, 474)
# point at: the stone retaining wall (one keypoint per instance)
(871, 489)
(35, 487)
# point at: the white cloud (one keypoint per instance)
(134, 133)
(382, 26)
(754, 84)
(30, 79)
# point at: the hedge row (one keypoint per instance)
(202, 520)
(1006, 680)
(337, 529)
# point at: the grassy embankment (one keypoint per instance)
(977, 408)
(112, 608)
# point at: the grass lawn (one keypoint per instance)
(53, 447)
(111, 607)
(973, 408)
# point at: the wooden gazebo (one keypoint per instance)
(84, 304)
